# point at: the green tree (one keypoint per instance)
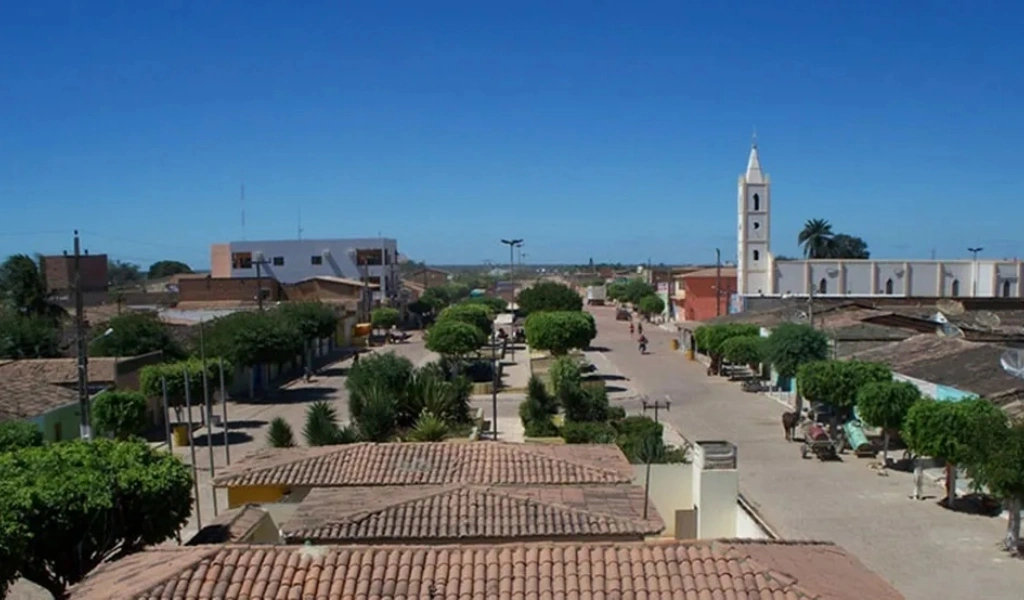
(454, 339)
(710, 339)
(477, 315)
(313, 320)
(378, 417)
(120, 414)
(431, 391)
(384, 318)
(136, 333)
(849, 247)
(616, 291)
(636, 290)
(999, 467)
(83, 503)
(816, 238)
(23, 289)
(791, 345)
(253, 338)
(279, 434)
(122, 273)
(15, 435)
(949, 431)
(391, 373)
(743, 350)
(28, 336)
(651, 305)
(837, 383)
(152, 376)
(885, 404)
(167, 268)
(495, 304)
(537, 410)
(560, 331)
(549, 296)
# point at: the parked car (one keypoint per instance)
(623, 315)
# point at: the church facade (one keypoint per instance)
(758, 273)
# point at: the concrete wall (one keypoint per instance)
(920, 278)
(59, 424)
(301, 259)
(715, 494)
(671, 490)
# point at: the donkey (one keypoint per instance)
(789, 423)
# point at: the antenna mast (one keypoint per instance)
(243, 210)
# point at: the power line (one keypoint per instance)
(125, 240)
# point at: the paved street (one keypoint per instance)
(924, 550)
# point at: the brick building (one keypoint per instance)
(428, 277)
(702, 297)
(59, 272)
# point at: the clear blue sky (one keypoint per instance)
(612, 130)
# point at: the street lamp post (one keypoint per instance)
(85, 427)
(974, 257)
(512, 245)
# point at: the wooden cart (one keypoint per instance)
(818, 442)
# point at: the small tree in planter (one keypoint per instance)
(120, 414)
(477, 315)
(998, 467)
(885, 404)
(559, 332)
(454, 339)
(152, 377)
(743, 350)
(651, 304)
(280, 434)
(791, 345)
(711, 337)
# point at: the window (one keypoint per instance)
(888, 286)
(757, 224)
(316, 260)
(241, 260)
(375, 280)
(371, 257)
(955, 288)
(278, 261)
(823, 286)
(757, 202)
(757, 255)
(1006, 289)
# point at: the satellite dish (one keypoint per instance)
(952, 308)
(949, 331)
(940, 318)
(1012, 362)
(798, 316)
(987, 318)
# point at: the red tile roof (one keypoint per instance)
(446, 514)
(428, 463)
(677, 571)
(233, 526)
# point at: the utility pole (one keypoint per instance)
(494, 388)
(259, 280)
(657, 405)
(718, 282)
(81, 345)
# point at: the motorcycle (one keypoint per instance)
(643, 346)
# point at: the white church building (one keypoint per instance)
(758, 273)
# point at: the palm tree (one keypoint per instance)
(816, 238)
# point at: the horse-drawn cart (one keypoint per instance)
(817, 441)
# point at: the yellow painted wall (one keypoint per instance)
(255, 494)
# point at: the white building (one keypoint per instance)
(290, 261)
(758, 273)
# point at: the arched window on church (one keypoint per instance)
(757, 255)
(955, 288)
(823, 286)
(1006, 289)
(888, 286)
(757, 202)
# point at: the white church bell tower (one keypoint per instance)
(753, 260)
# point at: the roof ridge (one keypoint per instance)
(640, 521)
(140, 583)
(360, 515)
(539, 453)
(789, 582)
(307, 453)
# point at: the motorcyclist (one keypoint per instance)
(643, 343)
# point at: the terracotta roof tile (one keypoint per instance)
(445, 514)
(431, 463)
(25, 398)
(674, 570)
(62, 371)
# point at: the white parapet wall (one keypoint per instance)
(715, 489)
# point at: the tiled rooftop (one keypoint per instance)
(446, 514)
(233, 526)
(740, 570)
(25, 398)
(492, 463)
(63, 371)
